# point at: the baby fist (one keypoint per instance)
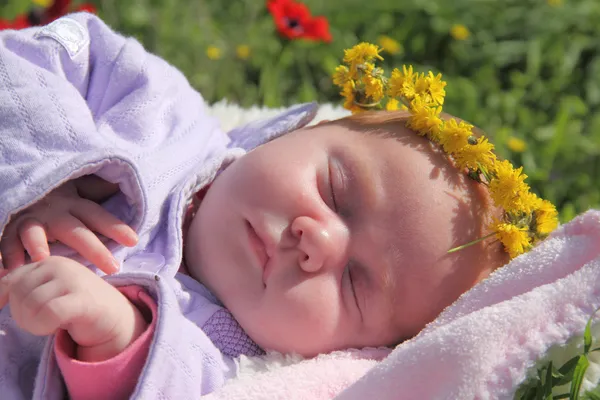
(59, 293)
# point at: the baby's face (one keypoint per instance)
(328, 238)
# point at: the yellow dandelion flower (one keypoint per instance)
(409, 91)
(242, 51)
(436, 88)
(348, 90)
(408, 73)
(546, 218)
(395, 83)
(389, 44)
(528, 202)
(373, 88)
(361, 53)
(341, 75)
(507, 187)
(213, 52)
(515, 239)
(422, 87)
(352, 107)
(43, 3)
(473, 155)
(392, 105)
(515, 144)
(455, 135)
(372, 82)
(400, 80)
(425, 120)
(460, 32)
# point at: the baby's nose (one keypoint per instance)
(321, 243)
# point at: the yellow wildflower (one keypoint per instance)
(436, 88)
(473, 155)
(352, 107)
(361, 53)
(455, 135)
(392, 105)
(242, 51)
(422, 87)
(425, 120)
(460, 32)
(373, 88)
(527, 202)
(213, 52)
(408, 73)
(515, 239)
(43, 3)
(341, 75)
(373, 83)
(508, 186)
(401, 82)
(515, 144)
(546, 218)
(389, 44)
(348, 90)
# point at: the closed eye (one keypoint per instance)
(351, 278)
(334, 200)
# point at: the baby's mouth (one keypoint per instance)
(258, 248)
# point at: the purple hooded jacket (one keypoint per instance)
(77, 98)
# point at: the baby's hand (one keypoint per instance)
(66, 217)
(59, 293)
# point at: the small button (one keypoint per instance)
(149, 262)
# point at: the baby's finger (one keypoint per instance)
(58, 312)
(26, 279)
(10, 278)
(73, 233)
(99, 220)
(40, 311)
(3, 289)
(13, 252)
(33, 237)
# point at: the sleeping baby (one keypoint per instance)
(145, 250)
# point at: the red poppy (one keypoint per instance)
(19, 22)
(294, 21)
(43, 16)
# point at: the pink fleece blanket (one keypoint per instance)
(480, 347)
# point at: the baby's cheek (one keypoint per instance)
(306, 321)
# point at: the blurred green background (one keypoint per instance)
(525, 71)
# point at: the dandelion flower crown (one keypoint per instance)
(526, 218)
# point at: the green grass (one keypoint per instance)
(529, 69)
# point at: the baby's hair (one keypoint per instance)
(373, 118)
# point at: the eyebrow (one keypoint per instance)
(357, 179)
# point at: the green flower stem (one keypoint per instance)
(367, 105)
(481, 239)
(404, 101)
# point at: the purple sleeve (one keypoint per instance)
(78, 98)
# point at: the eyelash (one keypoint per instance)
(337, 210)
(353, 288)
(331, 185)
